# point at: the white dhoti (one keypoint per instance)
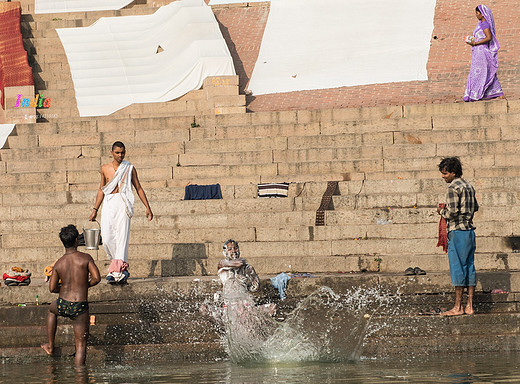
(115, 227)
(118, 209)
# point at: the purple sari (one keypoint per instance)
(482, 79)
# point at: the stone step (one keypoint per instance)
(343, 140)
(454, 109)
(32, 188)
(372, 168)
(304, 135)
(180, 352)
(369, 159)
(91, 16)
(27, 178)
(102, 125)
(483, 321)
(326, 117)
(127, 333)
(197, 258)
(47, 58)
(410, 215)
(467, 135)
(149, 233)
(71, 164)
(367, 210)
(166, 230)
(423, 346)
(412, 291)
(50, 44)
(43, 153)
(363, 113)
(156, 326)
(172, 201)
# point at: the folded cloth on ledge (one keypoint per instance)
(280, 283)
(273, 189)
(202, 192)
(118, 277)
(17, 276)
(118, 272)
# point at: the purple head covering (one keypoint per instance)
(488, 15)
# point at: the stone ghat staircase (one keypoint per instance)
(53, 79)
(382, 215)
(159, 319)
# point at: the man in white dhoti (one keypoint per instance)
(115, 192)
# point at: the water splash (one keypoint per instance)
(325, 326)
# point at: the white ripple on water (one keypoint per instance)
(325, 326)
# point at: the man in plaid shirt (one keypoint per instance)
(461, 204)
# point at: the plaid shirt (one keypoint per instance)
(461, 204)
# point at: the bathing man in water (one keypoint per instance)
(115, 190)
(459, 208)
(73, 269)
(237, 276)
(234, 272)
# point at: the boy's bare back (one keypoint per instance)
(74, 270)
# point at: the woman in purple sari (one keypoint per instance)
(482, 79)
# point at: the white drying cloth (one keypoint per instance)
(5, 131)
(58, 6)
(115, 62)
(217, 2)
(123, 181)
(317, 44)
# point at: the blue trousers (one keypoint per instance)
(461, 254)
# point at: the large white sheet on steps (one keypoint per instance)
(316, 44)
(115, 62)
(218, 2)
(59, 6)
(5, 131)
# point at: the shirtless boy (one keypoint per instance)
(115, 192)
(73, 269)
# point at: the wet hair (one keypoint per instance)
(118, 144)
(69, 235)
(451, 164)
(225, 247)
(229, 241)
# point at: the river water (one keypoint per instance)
(320, 341)
(458, 369)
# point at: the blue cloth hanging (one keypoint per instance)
(202, 192)
(280, 283)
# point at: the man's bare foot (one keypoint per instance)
(453, 312)
(46, 347)
(469, 311)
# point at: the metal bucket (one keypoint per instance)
(92, 237)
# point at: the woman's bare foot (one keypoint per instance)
(453, 312)
(46, 347)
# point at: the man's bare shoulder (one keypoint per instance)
(68, 256)
(106, 167)
(85, 255)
